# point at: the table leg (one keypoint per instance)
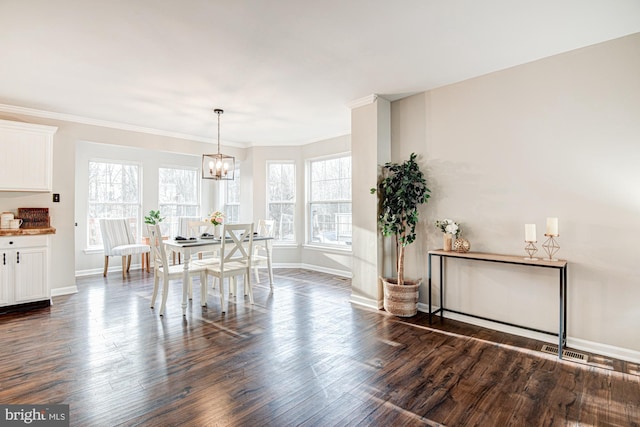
(561, 321)
(185, 279)
(269, 248)
(429, 280)
(441, 287)
(566, 297)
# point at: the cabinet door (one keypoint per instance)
(5, 297)
(30, 266)
(26, 161)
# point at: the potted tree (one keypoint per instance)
(401, 189)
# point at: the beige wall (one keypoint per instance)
(554, 138)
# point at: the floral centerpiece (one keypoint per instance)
(216, 218)
(449, 228)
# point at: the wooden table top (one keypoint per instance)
(511, 259)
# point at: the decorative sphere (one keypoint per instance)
(461, 245)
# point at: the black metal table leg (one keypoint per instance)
(561, 315)
(429, 275)
(441, 288)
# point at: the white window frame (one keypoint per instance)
(236, 181)
(339, 217)
(269, 163)
(171, 227)
(138, 204)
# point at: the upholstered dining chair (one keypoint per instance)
(162, 269)
(266, 228)
(118, 240)
(234, 259)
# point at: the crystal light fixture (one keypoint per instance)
(218, 166)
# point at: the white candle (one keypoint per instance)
(552, 227)
(530, 233)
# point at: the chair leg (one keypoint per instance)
(106, 266)
(128, 262)
(165, 291)
(257, 276)
(124, 267)
(249, 286)
(156, 283)
(223, 303)
(203, 289)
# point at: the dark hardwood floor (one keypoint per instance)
(302, 355)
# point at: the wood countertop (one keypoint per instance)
(26, 231)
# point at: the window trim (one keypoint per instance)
(198, 180)
(294, 241)
(237, 177)
(89, 247)
(307, 223)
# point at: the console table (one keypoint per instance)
(560, 265)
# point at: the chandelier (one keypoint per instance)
(218, 166)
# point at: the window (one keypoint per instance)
(232, 198)
(114, 192)
(330, 201)
(281, 199)
(178, 191)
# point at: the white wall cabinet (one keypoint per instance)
(26, 160)
(24, 267)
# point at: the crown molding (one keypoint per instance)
(369, 99)
(105, 123)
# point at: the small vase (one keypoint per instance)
(446, 241)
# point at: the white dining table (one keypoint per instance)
(185, 247)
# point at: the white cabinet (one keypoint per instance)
(24, 269)
(26, 156)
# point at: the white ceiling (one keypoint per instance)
(284, 71)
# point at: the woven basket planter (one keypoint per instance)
(401, 300)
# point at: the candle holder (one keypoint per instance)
(531, 250)
(550, 246)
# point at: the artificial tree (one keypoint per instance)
(402, 188)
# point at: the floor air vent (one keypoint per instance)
(566, 354)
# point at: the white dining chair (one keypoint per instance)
(183, 229)
(260, 257)
(162, 269)
(197, 229)
(118, 240)
(234, 259)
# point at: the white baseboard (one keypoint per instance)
(366, 302)
(67, 290)
(604, 349)
(335, 272)
(574, 343)
(94, 271)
